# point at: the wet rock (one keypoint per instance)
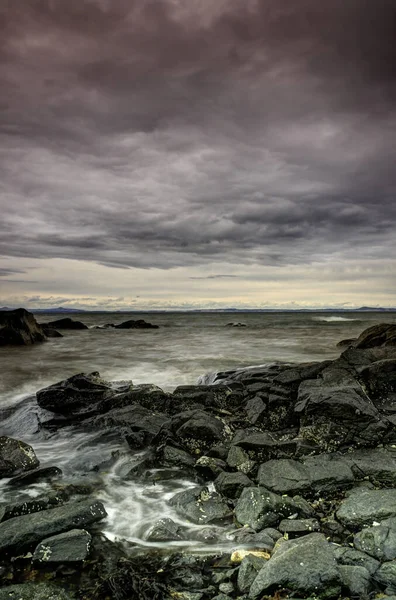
(200, 506)
(383, 334)
(386, 575)
(187, 397)
(138, 424)
(19, 328)
(236, 325)
(305, 566)
(16, 457)
(197, 430)
(356, 580)
(209, 467)
(72, 546)
(348, 343)
(30, 529)
(78, 395)
(65, 323)
(364, 506)
(247, 536)
(255, 410)
(379, 464)
(239, 459)
(43, 474)
(51, 333)
(380, 377)
(136, 324)
(16, 509)
(33, 591)
(352, 557)
(247, 573)
(231, 485)
(165, 530)
(259, 508)
(296, 527)
(378, 541)
(147, 395)
(171, 455)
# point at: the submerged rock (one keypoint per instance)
(65, 323)
(16, 457)
(20, 328)
(139, 324)
(43, 474)
(383, 334)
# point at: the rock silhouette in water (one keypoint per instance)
(66, 323)
(19, 328)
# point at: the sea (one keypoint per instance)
(183, 350)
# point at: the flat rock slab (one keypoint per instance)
(28, 530)
(33, 591)
(72, 546)
(379, 542)
(364, 506)
(306, 566)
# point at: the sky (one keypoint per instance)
(197, 153)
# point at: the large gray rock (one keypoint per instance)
(379, 542)
(79, 395)
(380, 378)
(33, 591)
(19, 328)
(28, 530)
(349, 556)
(248, 570)
(72, 546)
(258, 508)
(165, 530)
(200, 506)
(356, 580)
(364, 506)
(16, 509)
(16, 457)
(383, 334)
(139, 424)
(197, 429)
(231, 485)
(306, 566)
(386, 575)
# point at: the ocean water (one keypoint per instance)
(183, 349)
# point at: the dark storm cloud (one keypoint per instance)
(164, 133)
(7, 272)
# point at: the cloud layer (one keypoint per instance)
(160, 134)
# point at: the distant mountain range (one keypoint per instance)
(62, 309)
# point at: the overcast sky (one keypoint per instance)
(182, 153)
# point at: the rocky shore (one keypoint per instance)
(294, 464)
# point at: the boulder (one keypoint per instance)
(378, 541)
(248, 570)
(139, 324)
(65, 323)
(200, 506)
(297, 527)
(305, 566)
(386, 575)
(197, 429)
(50, 332)
(79, 395)
(380, 378)
(43, 474)
(231, 485)
(364, 506)
(28, 530)
(19, 328)
(16, 457)
(350, 556)
(383, 334)
(138, 424)
(72, 546)
(165, 530)
(356, 580)
(16, 509)
(258, 508)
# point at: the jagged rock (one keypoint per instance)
(33, 591)
(19, 328)
(16, 457)
(165, 530)
(209, 467)
(188, 397)
(138, 424)
(380, 378)
(72, 546)
(255, 410)
(356, 580)
(16, 509)
(239, 459)
(30, 529)
(231, 485)
(197, 429)
(259, 508)
(43, 474)
(364, 506)
(383, 334)
(65, 323)
(296, 527)
(350, 556)
(348, 343)
(138, 324)
(198, 505)
(248, 570)
(51, 333)
(305, 565)
(386, 575)
(378, 541)
(79, 395)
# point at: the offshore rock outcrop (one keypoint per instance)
(19, 328)
(295, 466)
